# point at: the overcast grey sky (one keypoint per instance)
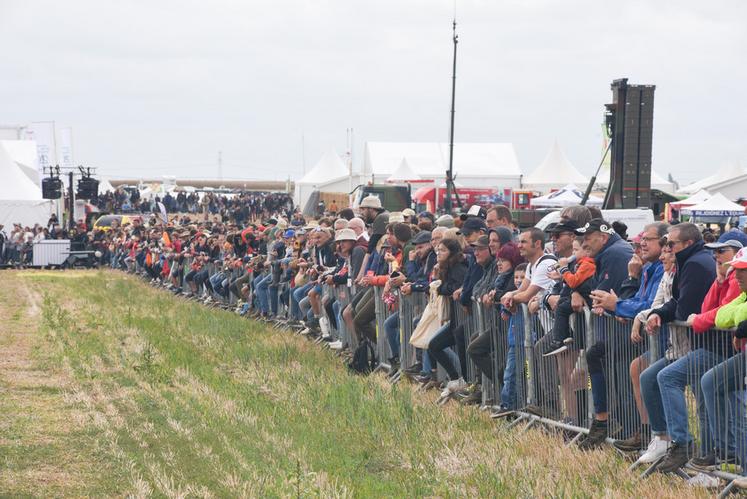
(159, 87)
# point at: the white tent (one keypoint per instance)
(725, 173)
(105, 185)
(404, 174)
(567, 196)
(475, 164)
(697, 198)
(716, 206)
(326, 174)
(20, 199)
(554, 172)
(24, 153)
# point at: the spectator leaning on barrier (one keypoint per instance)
(723, 384)
(472, 230)
(611, 255)
(667, 408)
(452, 269)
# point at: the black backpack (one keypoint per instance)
(364, 358)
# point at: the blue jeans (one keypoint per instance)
(673, 380)
(391, 326)
(723, 391)
(261, 286)
(652, 396)
(430, 364)
(508, 392)
(296, 296)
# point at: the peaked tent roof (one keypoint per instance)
(24, 153)
(105, 185)
(716, 206)
(555, 169)
(567, 196)
(431, 159)
(15, 185)
(726, 172)
(329, 167)
(404, 173)
(697, 198)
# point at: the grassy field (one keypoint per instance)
(109, 387)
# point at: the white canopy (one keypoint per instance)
(20, 199)
(726, 172)
(554, 171)
(15, 185)
(403, 174)
(105, 185)
(567, 196)
(326, 171)
(475, 164)
(24, 153)
(697, 198)
(716, 206)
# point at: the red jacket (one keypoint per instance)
(718, 295)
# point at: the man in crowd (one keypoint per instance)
(665, 400)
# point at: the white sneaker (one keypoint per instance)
(705, 481)
(657, 449)
(455, 385)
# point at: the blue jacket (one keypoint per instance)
(650, 276)
(474, 274)
(418, 271)
(612, 264)
(696, 271)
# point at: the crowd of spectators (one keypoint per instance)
(278, 268)
(240, 206)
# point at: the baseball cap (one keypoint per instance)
(474, 211)
(289, 233)
(732, 238)
(481, 242)
(567, 226)
(427, 214)
(740, 259)
(473, 224)
(422, 237)
(408, 212)
(595, 225)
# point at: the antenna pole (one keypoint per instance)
(450, 172)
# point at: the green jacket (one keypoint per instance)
(734, 312)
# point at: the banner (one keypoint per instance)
(66, 148)
(164, 215)
(43, 134)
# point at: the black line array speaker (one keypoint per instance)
(630, 119)
(88, 188)
(51, 188)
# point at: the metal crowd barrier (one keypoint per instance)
(343, 294)
(410, 308)
(383, 352)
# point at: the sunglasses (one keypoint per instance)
(721, 251)
(672, 244)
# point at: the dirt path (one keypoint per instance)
(40, 428)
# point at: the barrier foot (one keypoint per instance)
(573, 440)
(728, 489)
(516, 422)
(532, 422)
